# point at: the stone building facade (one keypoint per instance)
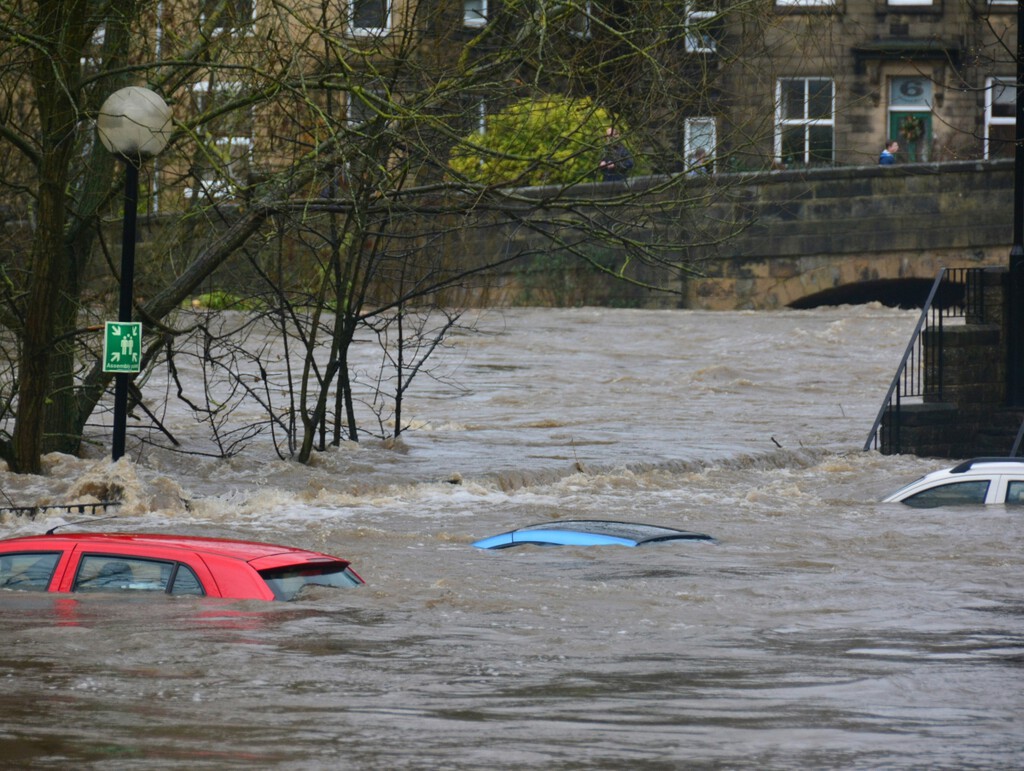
(837, 78)
(771, 83)
(943, 66)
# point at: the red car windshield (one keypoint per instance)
(287, 582)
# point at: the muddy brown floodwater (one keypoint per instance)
(822, 630)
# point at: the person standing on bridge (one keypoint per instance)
(888, 155)
(617, 161)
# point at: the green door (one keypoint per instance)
(913, 130)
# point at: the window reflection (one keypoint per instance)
(954, 494)
(28, 571)
(115, 573)
(1015, 492)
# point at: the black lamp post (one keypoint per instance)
(134, 124)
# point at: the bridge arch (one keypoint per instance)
(899, 281)
(892, 292)
(853, 234)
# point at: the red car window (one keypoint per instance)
(30, 571)
(112, 573)
(185, 582)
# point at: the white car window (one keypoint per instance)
(951, 494)
(1015, 491)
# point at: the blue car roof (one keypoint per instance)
(589, 532)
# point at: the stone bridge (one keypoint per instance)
(794, 239)
(853, 234)
(781, 239)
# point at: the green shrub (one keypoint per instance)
(221, 301)
(536, 141)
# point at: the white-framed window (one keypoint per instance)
(477, 114)
(474, 13)
(224, 158)
(700, 20)
(228, 16)
(912, 2)
(579, 24)
(370, 18)
(1000, 117)
(700, 139)
(805, 121)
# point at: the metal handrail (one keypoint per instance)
(68, 508)
(1017, 441)
(971, 305)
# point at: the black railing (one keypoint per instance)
(955, 293)
(68, 508)
(1017, 441)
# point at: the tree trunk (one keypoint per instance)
(61, 24)
(40, 320)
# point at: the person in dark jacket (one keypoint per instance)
(617, 161)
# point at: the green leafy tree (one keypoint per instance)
(545, 140)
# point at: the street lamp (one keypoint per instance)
(134, 124)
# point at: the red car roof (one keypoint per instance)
(261, 555)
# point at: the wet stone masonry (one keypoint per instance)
(767, 240)
(798, 235)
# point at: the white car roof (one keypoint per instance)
(1000, 465)
(969, 469)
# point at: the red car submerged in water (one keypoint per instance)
(170, 564)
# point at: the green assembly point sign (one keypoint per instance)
(122, 346)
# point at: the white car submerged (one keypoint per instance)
(980, 480)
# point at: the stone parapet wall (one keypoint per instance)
(805, 233)
(761, 241)
(771, 239)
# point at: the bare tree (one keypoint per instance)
(310, 175)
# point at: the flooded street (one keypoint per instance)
(822, 630)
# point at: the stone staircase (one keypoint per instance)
(963, 412)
